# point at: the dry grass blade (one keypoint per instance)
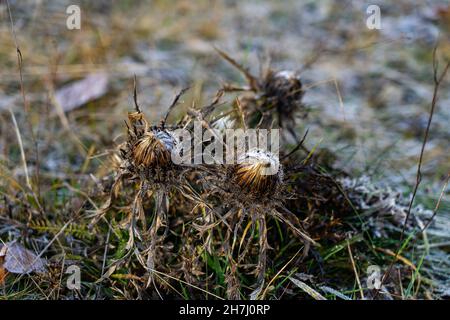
(361, 292)
(335, 292)
(22, 151)
(263, 295)
(24, 99)
(313, 293)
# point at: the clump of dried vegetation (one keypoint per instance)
(145, 227)
(216, 230)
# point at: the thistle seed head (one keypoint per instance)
(285, 88)
(258, 172)
(154, 149)
(288, 75)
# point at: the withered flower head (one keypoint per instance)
(275, 95)
(284, 90)
(258, 172)
(154, 149)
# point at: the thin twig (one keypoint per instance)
(437, 83)
(250, 78)
(174, 103)
(299, 145)
(136, 105)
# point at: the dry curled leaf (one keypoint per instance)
(78, 93)
(18, 259)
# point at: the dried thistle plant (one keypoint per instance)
(248, 193)
(274, 99)
(145, 160)
(235, 200)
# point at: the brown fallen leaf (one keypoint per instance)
(3, 274)
(18, 259)
(78, 93)
(3, 271)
